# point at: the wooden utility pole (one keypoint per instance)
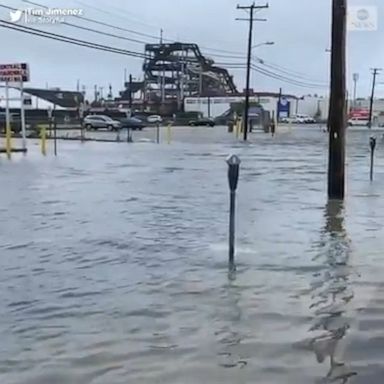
(279, 106)
(251, 9)
(375, 72)
(130, 91)
(337, 107)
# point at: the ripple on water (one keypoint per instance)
(125, 278)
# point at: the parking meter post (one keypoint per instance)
(372, 144)
(233, 162)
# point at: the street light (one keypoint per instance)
(265, 43)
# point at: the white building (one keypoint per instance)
(311, 105)
(217, 106)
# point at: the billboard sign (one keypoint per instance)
(14, 72)
(359, 113)
(283, 108)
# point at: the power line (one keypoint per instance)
(153, 26)
(285, 79)
(102, 23)
(286, 70)
(88, 29)
(65, 39)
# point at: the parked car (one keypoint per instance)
(101, 121)
(299, 119)
(201, 122)
(132, 123)
(308, 119)
(154, 119)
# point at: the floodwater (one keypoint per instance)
(113, 264)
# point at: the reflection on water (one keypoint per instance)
(331, 294)
(229, 334)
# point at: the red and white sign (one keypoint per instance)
(14, 72)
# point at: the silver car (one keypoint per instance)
(101, 121)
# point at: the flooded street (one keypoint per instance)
(114, 263)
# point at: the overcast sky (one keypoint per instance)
(299, 28)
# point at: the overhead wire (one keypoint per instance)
(88, 29)
(70, 40)
(299, 80)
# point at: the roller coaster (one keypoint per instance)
(177, 70)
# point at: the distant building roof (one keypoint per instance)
(66, 99)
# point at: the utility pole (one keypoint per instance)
(337, 106)
(375, 72)
(96, 93)
(355, 80)
(251, 9)
(279, 105)
(162, 77)
(130, 91)
(201, 81)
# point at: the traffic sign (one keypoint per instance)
(14, 72)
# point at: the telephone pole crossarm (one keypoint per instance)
(251, 19)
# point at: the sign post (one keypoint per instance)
(14, 73)
(54, 129)
(8, 133)
(22, 111)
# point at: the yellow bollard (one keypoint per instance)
(169, 133)
(43, 136)
(8, 140)
(237, 129)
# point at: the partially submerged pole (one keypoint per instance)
(22, 111)
(8, 131)
(158, 133)
(337, 115)
(43, 137)
(233, 162)
(372, 144)
(169, 133)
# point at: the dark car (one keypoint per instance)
(132, 123)
(202, 122)
(15, 122)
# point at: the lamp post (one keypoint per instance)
(264, 43)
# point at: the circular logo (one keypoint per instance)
(363, 14)
(283, 102)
